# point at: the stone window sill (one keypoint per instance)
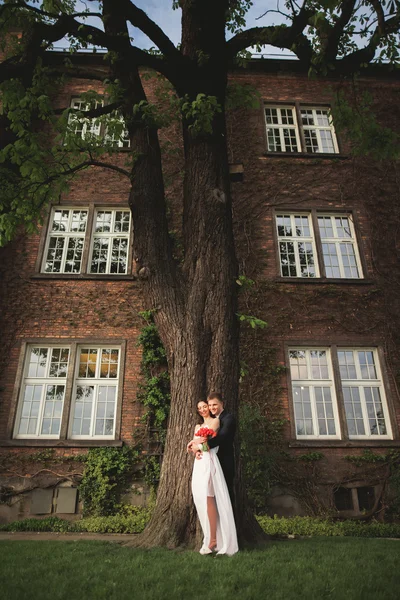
(323, 281)
(83, 276)
(305, 155)
(344, 444)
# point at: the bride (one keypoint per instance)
(210, 494)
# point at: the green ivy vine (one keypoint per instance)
(107, 475)
(154, 394)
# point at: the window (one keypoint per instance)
(79, 380)
(317, 245)
(363, 394)
(113, 133)
(296, 245)
(300, 128)
(357, 499)
(70, 237)
(43, 392)
(339, 248)
(282, 130)
(65, 241)
(81, 127)
(95, 395)
(315, 393)
(110, 242)
(314, 399)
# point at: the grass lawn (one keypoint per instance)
(342, 568)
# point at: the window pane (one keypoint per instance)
(59, 362)
(84, 403)
(298, 364)
(306, 258)
(346, 365)
(122, 221)
(319, 364)
(74, 255)
(302, 405)
(367, 365)
(79, 219)
(103, 221)
(37, 362)
(100, 254)
(109, 363)
(288, 259)
(87, 362)
(326, 421)
(60, 221)
(119, 255)
(30, 409)
(53, 409)
(353, 410)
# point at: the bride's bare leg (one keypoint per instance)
(212, 517)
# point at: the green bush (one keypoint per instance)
(311, 526)
(115, 524)
(49, 524)
(134, 522)
(134, 519)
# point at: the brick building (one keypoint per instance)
(317, 231)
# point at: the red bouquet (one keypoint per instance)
(205, 432)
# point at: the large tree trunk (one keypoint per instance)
(198, 326)
(195, 305)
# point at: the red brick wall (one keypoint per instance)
(302, 312)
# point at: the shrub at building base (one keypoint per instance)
(138, 518)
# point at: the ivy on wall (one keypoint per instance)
(154, 392)
(108, 473)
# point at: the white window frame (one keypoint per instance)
(299, 128)
(281, 126)
(95, 382)
(312, 384)
(361, 383)
(66, 235)
(296, 240)
(318, 254)
(89, 126)
(110, 235)
(93, 126)
(339, 241)
(123, 141)
(44, 381)
(319, 128)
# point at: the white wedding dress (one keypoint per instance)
(207, 480)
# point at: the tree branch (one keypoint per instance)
(333, 35)
(380, 15)
(139, 19)
(280, 36)
(365, 55)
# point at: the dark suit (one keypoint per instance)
(224, 439)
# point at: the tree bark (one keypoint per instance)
(197, 306)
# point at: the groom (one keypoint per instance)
(223, 439)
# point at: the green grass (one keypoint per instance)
(339, 568)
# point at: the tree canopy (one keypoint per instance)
(327, 36)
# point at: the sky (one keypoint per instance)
(169, 20)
